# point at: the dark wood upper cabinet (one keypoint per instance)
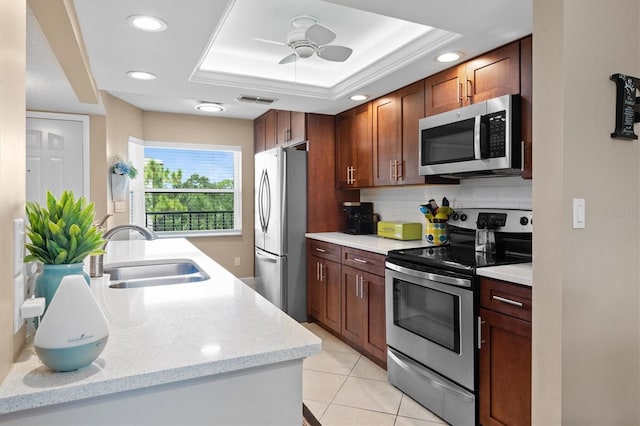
(264, 131)
(444, 90)
(395, 136)
(354, 147)
(259, 134)
(493, 74)
(386, 139)
(290, 127)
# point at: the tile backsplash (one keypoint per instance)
(401, 203)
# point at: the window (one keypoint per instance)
(186, 189)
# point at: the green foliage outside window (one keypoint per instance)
(156, 176)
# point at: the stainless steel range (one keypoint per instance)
(432, 310)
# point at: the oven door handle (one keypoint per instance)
(459, 282)
(467, 397)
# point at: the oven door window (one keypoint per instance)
(449, 143)
(429, 313)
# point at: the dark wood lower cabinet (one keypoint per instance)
(505, 356)
(324, 299)
(363, 311)
(349, 300)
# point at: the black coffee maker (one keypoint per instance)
(359, 217)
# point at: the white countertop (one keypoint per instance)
(519, 273)
(369, 242)
(165, 334)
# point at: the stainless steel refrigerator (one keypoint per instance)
(280, 226)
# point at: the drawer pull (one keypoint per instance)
(320, 250)
(355, 259)
(508, 301)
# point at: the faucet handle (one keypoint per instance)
(103, 220)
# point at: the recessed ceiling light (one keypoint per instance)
(146, 23)
(209, 107)
(141, 75)
(358, 97)
(449, 57)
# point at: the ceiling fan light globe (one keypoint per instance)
(304, 51)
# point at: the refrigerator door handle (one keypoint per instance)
(261, 256)
(260, 198)
(267, 214)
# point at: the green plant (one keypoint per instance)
(63, 232)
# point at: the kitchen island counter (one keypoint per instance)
(215, 329)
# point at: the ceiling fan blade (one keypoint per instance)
(319, 34)
(288, 59)
(264, 40)
(334, 53)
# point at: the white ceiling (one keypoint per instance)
(210, 53)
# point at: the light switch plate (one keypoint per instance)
(579, 219)
(119, 206)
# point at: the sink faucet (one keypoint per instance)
(96, 266)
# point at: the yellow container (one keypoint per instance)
(436, 233)
(400, 230)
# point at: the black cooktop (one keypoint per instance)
(460, 255)
(456, 258)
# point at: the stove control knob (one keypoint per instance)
(455, 216)
(463, 217)
(524, 220)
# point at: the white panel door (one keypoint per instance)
(55, 158)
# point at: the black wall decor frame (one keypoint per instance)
(626, 106)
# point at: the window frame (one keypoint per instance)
(138, 202)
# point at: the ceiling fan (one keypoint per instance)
(308, 37)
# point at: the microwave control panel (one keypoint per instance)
(496, 134)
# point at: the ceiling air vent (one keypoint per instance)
(255, 100)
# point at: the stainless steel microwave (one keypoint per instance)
(479, 139)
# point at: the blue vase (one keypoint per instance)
(49, 279)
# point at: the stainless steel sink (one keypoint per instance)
(153, 273)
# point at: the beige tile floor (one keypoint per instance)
(342, 387)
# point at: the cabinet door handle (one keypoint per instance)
(480, 341)
(459, 92)
(357, 285)
(508, 301)
(355, 259)
(322, 274)
(391, 171)
(469, 84)
(317, 271)
(320, 250)
(399, 170)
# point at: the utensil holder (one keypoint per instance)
(436, 233)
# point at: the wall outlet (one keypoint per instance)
(236, 261)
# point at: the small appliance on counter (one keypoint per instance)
(400, 230)
(360, 218)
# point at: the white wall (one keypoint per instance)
(401, 204)
(586, 291)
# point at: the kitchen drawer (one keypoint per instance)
(324, 250)
(364, 260)
(507, 298)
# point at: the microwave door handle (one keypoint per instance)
(477, 136)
